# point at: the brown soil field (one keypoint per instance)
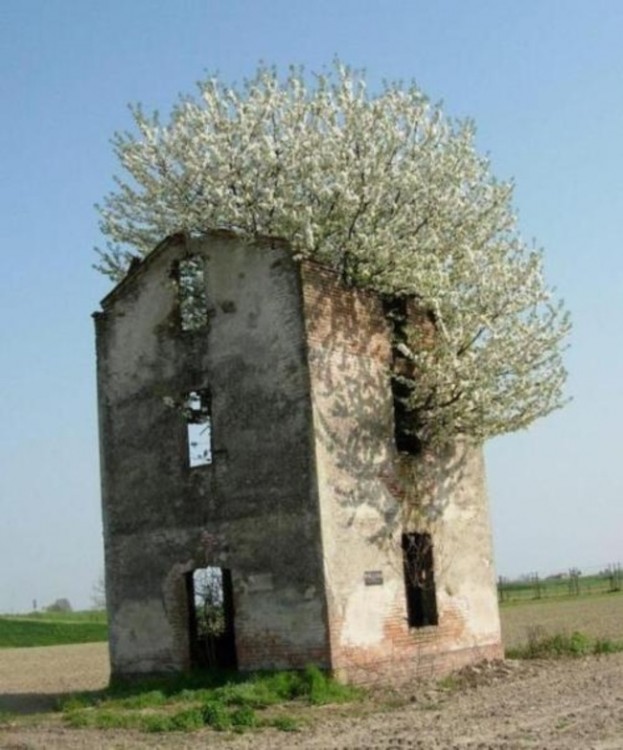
(502, 706)
(599, 616)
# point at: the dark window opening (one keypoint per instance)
(197, 410)
(211, 618)
(189, 274)
(405, 436)
(417, 556)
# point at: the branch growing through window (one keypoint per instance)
(189, 276)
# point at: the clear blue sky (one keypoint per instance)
(543, 79)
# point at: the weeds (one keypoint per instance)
(540, 645)
(285, 724)
(449, 683)
(224, 702)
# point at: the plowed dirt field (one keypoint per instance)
(550, 705)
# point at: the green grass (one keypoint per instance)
(222, 701)
(547, 588)
(541, 645)
(52, 629)
(86, 615)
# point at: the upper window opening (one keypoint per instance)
(192, 298)
(417, 555)
(407, 441)
(199, 427)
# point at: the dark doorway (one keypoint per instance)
(419, 572)
(211, 618)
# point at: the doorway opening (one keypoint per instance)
(211, 618)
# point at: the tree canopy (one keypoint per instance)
(389, 192)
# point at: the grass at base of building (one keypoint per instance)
(220, 700)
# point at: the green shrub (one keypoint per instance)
(188, 720)
(216, 715)
(606, 646)
(254, 694)
(244, 718)
(322, 689)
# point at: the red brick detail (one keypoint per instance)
(417, 665)
(266, 650)
(344, 318)
(408, 652)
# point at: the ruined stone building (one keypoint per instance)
(250, 447)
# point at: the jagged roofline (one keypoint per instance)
(181, 238)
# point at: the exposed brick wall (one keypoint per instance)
(346, 319)
(399, 668)
(411, 652)
(264, 650)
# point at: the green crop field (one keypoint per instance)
(52, 629)
(534, 587)
(539, 588)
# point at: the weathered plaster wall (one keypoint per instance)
(254, 509)
(361, 482)
(305, 491)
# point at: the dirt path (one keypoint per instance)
(32, 679)
(550, 706)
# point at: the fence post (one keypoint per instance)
(537, 583)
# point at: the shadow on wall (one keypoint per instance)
(355, 403)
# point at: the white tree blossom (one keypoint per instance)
(387, 191)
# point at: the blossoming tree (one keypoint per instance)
(387, 191)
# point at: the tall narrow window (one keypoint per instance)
(192, 299)
(400, 316)
(199, 428)
(396, 311)
(417, 555)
